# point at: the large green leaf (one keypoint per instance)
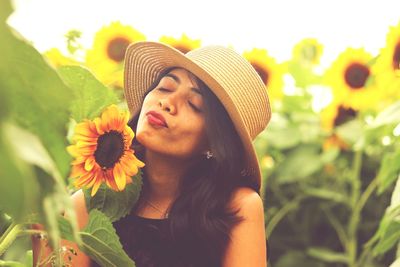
(115, 204)
(101, 242)
(90, 95)
(38, 100)
(19, 191)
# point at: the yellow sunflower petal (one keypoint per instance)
(89, 163)
(106, 56)
(95, 187)
(183, 44)
(269, 70)
(349, 77)
(73, 150)
(77, 170)
(111, 183)
(98, 124)
(119, 176)
(84, 180)
(129, 166)
(84, 129)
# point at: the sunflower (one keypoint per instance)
(102, 152)
(106, 57)
(308, 52)
(184, 44)
(269, 70)
(350, 77)
(57, 59)
(388, 63)
(333, 116)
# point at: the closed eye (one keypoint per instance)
(194, 107)
(163, 89)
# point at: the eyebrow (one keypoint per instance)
(176, 79)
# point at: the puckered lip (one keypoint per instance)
(158, 116)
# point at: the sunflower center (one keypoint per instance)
(396, 57)
(116, 48)
(356, 75)
(110, 148)
(344, 115)
(262, 72)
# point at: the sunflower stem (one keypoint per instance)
(356, 209)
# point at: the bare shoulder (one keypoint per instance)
(247, 246)
(247, 201)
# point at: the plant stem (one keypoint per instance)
(9, 236)
(363, 200)
(337, 226)
(280, 214)
(356, 211)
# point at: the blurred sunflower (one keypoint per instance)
(308, 52)
(102, 152)
(269, 70)
(183, 44)
(106, 57)
(349, 77)
(332, 116)
(388, 63)
(57, 59)
(336, 114)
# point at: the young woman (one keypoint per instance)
(195, 116)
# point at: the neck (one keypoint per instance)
(163, 175)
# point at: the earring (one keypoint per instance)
(209, 154)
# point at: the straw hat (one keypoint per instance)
(228, 75)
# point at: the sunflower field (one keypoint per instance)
(330, 156)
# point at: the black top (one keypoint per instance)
(147, 242)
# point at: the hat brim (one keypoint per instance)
(144, 61)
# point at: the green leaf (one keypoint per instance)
(101, 242)
(350, 131)
(281, 134)
(390, 115)
(389, 239)
(115, 204)
(303, 76)
(296, 258)
(19, 191)
(90, 95)
(5, 10)
(327, 255)
(389, 170)
(5, 222)
(327, 194)
(11, 264)
(37, 98)
(300, 163)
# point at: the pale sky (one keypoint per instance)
(273, 25)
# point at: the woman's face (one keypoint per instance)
(171, 120)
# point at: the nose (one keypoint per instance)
(167, 105)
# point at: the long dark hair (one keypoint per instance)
(200, 219)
